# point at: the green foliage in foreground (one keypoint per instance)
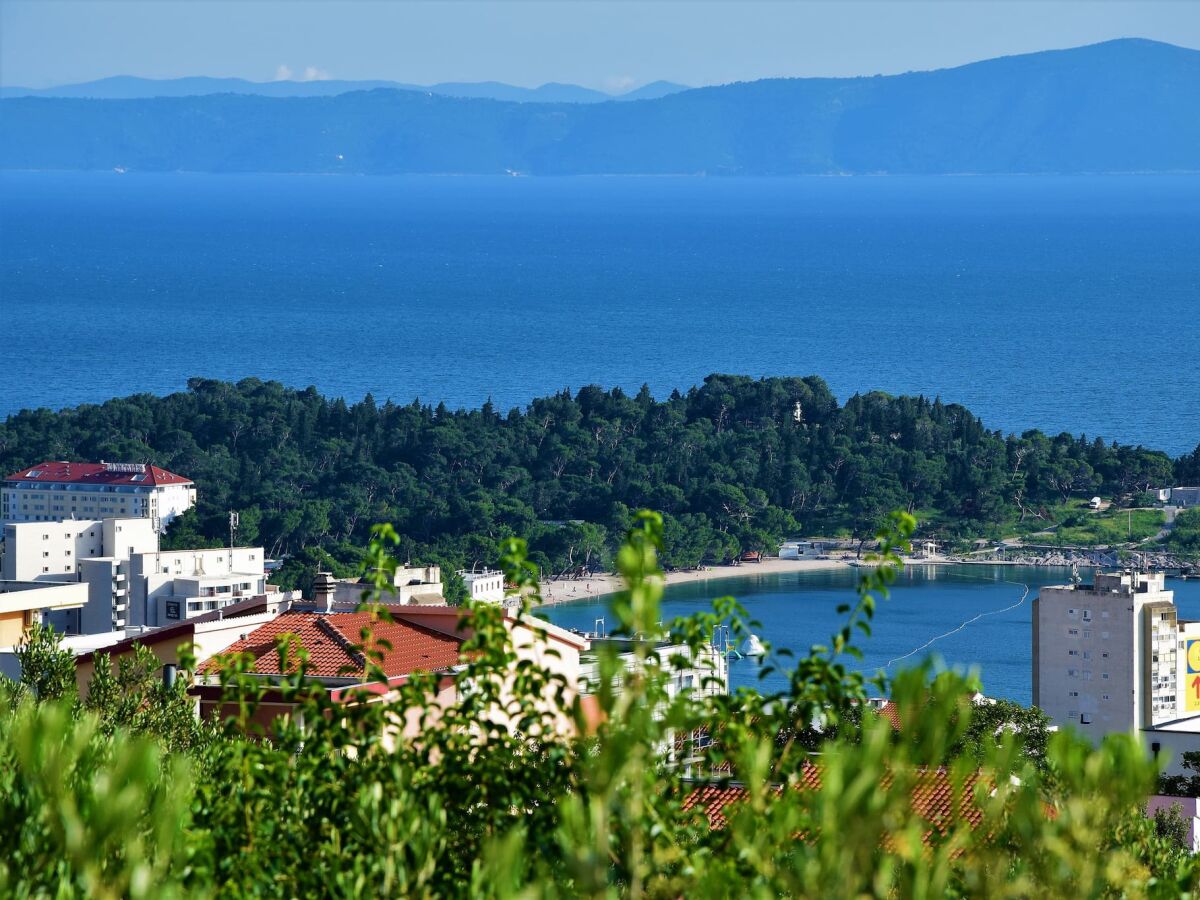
(491, 799)
(735, 464)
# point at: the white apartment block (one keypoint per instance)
(55, 491)
(1113, 656)
(55, 551)
(160, 588)
(486, 586)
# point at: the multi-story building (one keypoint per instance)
(22, 603)
(55, 551)
(1113, 656)
(158, 588)
(486, 586)
(55, 491)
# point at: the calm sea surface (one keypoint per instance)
(973, 615)
(1058, 303)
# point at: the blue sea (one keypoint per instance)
(964, 617)
(1058, 303)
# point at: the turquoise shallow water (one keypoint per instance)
(1060, 303)
(796, 610)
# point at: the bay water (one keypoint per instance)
(965, 617)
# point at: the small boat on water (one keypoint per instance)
(752, 646)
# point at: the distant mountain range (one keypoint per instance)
(129, 87)
(1122, 106)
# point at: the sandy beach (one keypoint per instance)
(587, 588)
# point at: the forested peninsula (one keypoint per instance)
(735, 464)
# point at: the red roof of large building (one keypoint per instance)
(63, 472)
(332, 642)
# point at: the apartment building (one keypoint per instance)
(1113, 655)
(55, 551)
(54, 491)
(158, 588)
(486, 586)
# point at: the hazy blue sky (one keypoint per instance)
(609, 45)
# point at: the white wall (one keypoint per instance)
(52, 551)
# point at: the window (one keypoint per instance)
(1105, 697)
(1104, 676)
(1072, 653)
(1072, 693)
(1072, 632)
(1104, 614)
(1085, 718)
(1087, 633)
(1105, 654)
(45, 553)
(1104, 635)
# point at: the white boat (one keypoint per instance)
(752, 646)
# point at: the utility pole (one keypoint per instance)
(233, 526)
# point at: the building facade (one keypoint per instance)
(55, 491)
(1114, 656)
(56, 551)
(1184, 497)
(159, 588)
(24, 603)
(486, 586)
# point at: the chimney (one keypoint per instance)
(322, 591)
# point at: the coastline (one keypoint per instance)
(556, 592)
(570, 591)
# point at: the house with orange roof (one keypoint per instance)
(337, 648)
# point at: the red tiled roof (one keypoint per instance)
(330, 640)
(96, 473)
(890, 711)
(933, 799)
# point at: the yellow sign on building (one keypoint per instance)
(1191, 682)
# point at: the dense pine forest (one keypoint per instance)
(735, 464)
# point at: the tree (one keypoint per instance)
(47, 668)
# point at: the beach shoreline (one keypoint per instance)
(569, 591)
(598, 586)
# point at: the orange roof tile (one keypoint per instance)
(933, 799)
(333, 644)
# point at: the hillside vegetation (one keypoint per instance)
(735, 464)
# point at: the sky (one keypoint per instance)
(612, 46)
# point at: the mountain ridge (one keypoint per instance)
(133, 87)
(1120, 106)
